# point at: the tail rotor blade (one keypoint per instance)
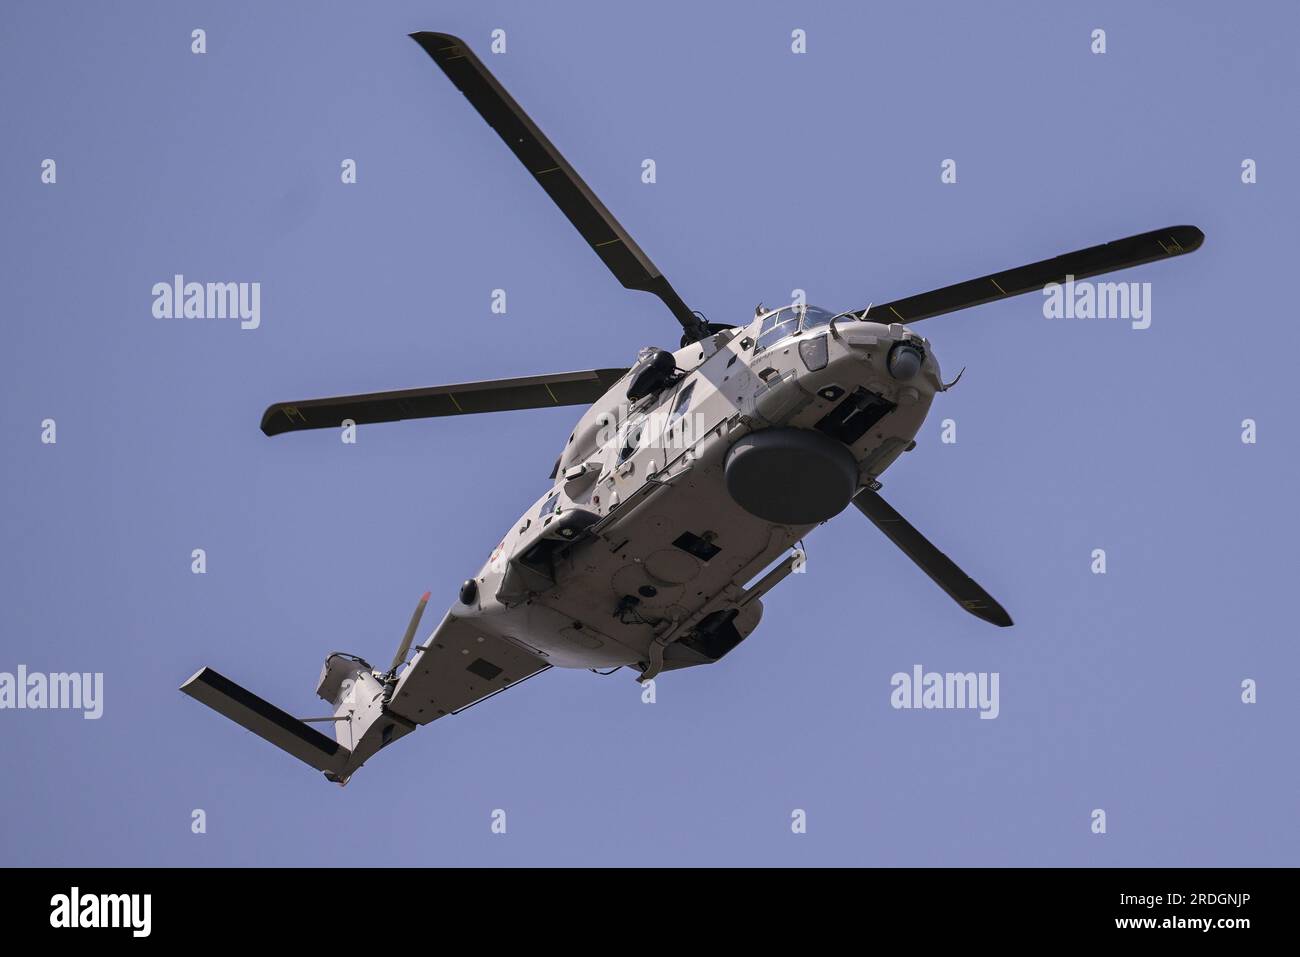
(410, 634)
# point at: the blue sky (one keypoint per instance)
(775, 171)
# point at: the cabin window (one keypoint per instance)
(631, 442)
(550, 506)
(682, 404)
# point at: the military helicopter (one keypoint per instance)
(689, 474)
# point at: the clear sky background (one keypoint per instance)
(775, 171)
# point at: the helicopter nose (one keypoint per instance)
(901, 354)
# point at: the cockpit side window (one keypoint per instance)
(782, 323)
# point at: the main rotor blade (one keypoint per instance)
(943, 570)
(1082, 263)
(588, 214)
(494, 395)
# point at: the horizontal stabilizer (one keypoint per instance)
(267, 721)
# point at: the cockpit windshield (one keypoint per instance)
(790, 320)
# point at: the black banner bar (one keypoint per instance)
(238, 905)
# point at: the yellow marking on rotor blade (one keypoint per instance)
(550, 393)
(452, 396)
(608, 242)
(995, 282)
(553, 169)
(897, 313)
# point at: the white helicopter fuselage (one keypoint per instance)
(656, 543)
(686, 479)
